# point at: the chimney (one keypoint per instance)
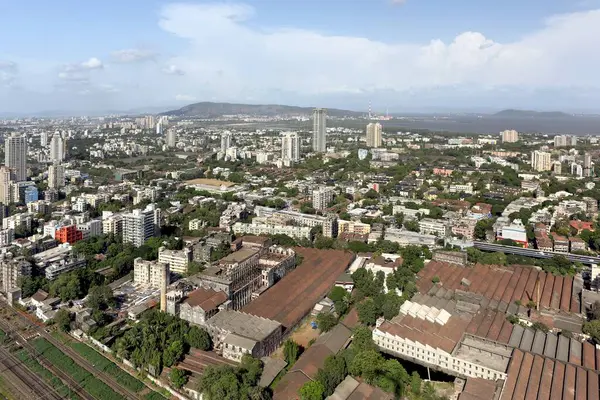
(163, 287)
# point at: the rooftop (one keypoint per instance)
(238, 256)
(242, 324)
(206, 299)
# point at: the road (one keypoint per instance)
(82, 362)
(21, 382)
(535, 253)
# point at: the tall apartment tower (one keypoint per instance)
(374, 134)
(57, 148)
(225, 141)
(322, 197)
(6, 178)
(290, 146)
(56, 176)
(319, 139)
(509, 136)
(44, 139)
(171, 138)
(587, 165)
(541, 161)
(141, 225)
(15, 156)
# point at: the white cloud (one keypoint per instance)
(184, 97)
(230, 57)
(173, 70)
(8, 72)
(133, 55)
(92, 63)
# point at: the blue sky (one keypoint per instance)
(93, 55)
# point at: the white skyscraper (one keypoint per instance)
(322, 197)
(159, 128)
(171, 138)
(57, 148)
(44, 139)
(374, 135)
(319, 139)
(15, 156)
(587, 165)
(290, 146)
(509, 136)
(56, 176)
(225, 141)
(141, 225)
(6, 178)
(541, 161)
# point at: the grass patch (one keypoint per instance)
(104, 364)
(154, 396)
(90, 383)
(51, 379)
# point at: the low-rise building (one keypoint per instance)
(298, 232)
(561, 243)
(577, 244)
(434, 227)
(57, 268)
(177, 260)
(150, 273)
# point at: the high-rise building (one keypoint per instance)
(31, 194)
(509, 136)
(171, 138)
(374, 134)
(319, 139)
(57, 148)
(141, 225)
(557, 167)
(541, 161)
(151, 273)
(322, 197)
(16, 156)
(44, 139)
(56, 176)
(6, 178)
(290, 146)
(225, 141)
(159, 128)
(577, 170)
(587, 165)
(565, 140)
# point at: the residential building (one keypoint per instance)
(515, 231)
(319, 138)
(11, 270)
(151, 273)
(541, 161)
(63, 266)
(196, 224)
(56, 176)
(587, 165)
(113, 224)
(577, 244)
(6, 237)
(90, 228)
(285, 217)
(565, 140)
(141, 225)
(177, 260)
(374, 135)
(290, 146)
(456, 188)
(509, 136)
(435, 227)
(298, 232)
(464, 228)
(225, 141)
(561, 244)
(31, 194)
(17, 190)
(6, 178)
(557, 167)
(57, 147)
(22, 220)
(592, 205)
(353, 227)
(68, 234)
(321, 198)
(15, 156)
(171, 138)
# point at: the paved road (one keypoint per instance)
(82, 362)
(535, 253)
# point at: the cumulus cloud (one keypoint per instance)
(80, 73)
(228, 54)
(173, 70)
(133, 55)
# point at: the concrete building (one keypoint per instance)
(56, 176)
(6, 179)
(509, 136)
(141, 225)
(321, 198)
(15, 156)
(319, 138)
(113, 224)
(374, 135)
(290, 146)
(90, 228)
(557, 167)
(177, 260)
(565, 141)
(515, 231)
(150, 273)
(429, 226)
(171, 138)
(353, 227)
(541, 161)
(6, 237)
(298, 232)
(11, 270)
(31, 194)
(17, 221)
(225, 141)
(587, 165)
(63, 266)
(57, 153)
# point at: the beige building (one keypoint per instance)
(151, 273)
(177, 260)
(6, 178)
(541, 161)
(11, 270)
(374, 135)
(353, 227)
(509, 136)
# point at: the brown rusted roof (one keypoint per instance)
(206, 299)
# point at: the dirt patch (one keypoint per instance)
(302, 335)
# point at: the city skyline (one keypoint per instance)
(469, 59)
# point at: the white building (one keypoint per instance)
(15, 156)
(16, 221)
(141, 225)
(374, 134)
(321, 198)
(225, 141)
(515, 231)
(290, 146)
(6, 178)
(151, 273)
(171, 138)
(319, 138)
(435, 227)
(457, 188)
(541, 161)
(299, 232)
(91, 228)
(509, 136)
(113, 224)
(56, 176)
(6, 237)
(57, 147)
(177, 260)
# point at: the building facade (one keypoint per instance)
(290, 146)
(374, 135)
(15, 156)
(319, 138)
(150, 273)
(141, 225)
(177, 260)
(541, 161)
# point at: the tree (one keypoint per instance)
(363, 339)
(332, 374)
(367, 365)
(178, 377)
(412, 226)
(62, 318)
(312, 390)
(415, 383)
(592, 328)
(291, 351)
(173, 353)
(482, 227)
(367, 311)
(340, 298)
(199, 338)
(326, 321)
(100, 298)
(391, 305)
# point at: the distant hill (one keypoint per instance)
(531, 114)
(213, 110)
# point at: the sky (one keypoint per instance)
(400, 55)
